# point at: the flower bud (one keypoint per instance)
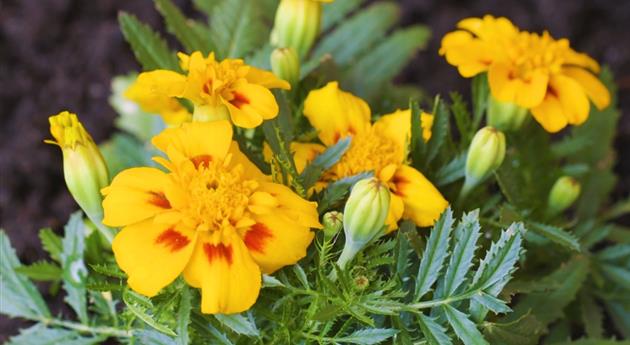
(485, 155)
(84, 168)
(285, 64)
(297, 25)
(364, 216)
(505, 116)
(332, 221)
(563, 194)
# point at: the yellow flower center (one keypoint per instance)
(368, 151)
(218, 196)
(530, 52)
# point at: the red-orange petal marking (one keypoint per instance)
(172, 239)
(239, 100)
(201, 159)
(256, 237)
(400, 183)
(159, 199)
(218, 251)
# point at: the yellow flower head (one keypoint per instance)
(533, 71)
(153, 102)
(219, 90)
(67, 131)
(380, 147)
(213, 216)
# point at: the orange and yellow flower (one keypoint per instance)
(380, 147)
(213, 216)
(533, 71)
(219, 90)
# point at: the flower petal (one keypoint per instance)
(137, 194)
(336, 113)
(506, 86)
(550, 114)
(423, 202)
(304, 153)
(251, 170)
(396, 210)
(574, 101)
(397, 127)
(225, 271)
(594, 88)
(292, 206)
(153, 255)
(251, 104)
(266, 79)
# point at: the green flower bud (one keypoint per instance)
(84, 168)
(505, 116)
(332, 221)
(563, 194)
(485, 155)
(364, 216)
(297, 25)
(285, 64)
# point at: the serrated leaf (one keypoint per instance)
(110, 270)
(417, 146)
(239, 324)
(122, 152)
(434, 334)
(205, 328)
(466, 235)
(358, 33)
(336, 11)
(338, 190)
(465, 329)
(492, 303)
(137, 305)
(368, 74)
(271, 281)
(592, 316)
(452, 171)
(480, 92)
(500, 259)
(524, 331)
(41, 335)
(368, 336)
(152, 337)
(439, 130)
(148, 47)
(555, 234)
(41, 271)
(434, 254)
(182, 28)
(614, 252)
(51, 243)
(619, 275)
(183, 317)
(237, 28)
(19, 296)
(74, 270)
(301, 275)
(324, 161)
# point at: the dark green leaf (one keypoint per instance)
(524, 331)
(239, 324)
(501, 258)
(183, 28)
(74, 270)
(555, 234)
(434, 254)
(592, 316)
(183, 317)
(110, 270)
(154, 338)
(466, 235)
(368, 336)
(338, 190)
(324, 161)
(480, 93)
(41, 335)
(51, 243)
(614, 252)
(148, 47)
(619, 275)
(452, 171)
(439, 131)
(434, 334)
(138, 306)
(491, 303)
(41, 271)
(465, 329)
(417, 145)
(336, 11)
(237, 28)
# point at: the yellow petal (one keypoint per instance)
(423, 202)
(137, 194)
(397, 127)
(155, 86)
(225, 271)
(266, 79)
(304, 153)
(594, 88)
(507, 87)
(580, 59)
(292, 206)
(197, 141)
(574, 102)
(396, 210)
(153, 255)
(251, 171)
(336, 113)
(251, 104)
(550, 114)
(275, 241)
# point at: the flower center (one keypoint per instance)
(530, 52)
(218, 196)
(368, 151)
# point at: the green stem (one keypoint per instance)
(110, 331)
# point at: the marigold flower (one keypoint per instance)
(534, 71)
(213, 216)
(219, 90)
(380, 147)
(171, 111)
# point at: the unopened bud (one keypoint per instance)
(84, 168)
(332, 221)
(485, 155)
(364, 216)
(285, 64)
(297, 25)
(505, 116)
(563, 194)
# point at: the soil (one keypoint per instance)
(61, 54)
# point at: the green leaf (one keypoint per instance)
(466, 235)
(41, 271)
(147, 45)
(74, 270)
(152, 337)
(555, 234)
(237, 28)
(324, 161)
(592, 316)
(480, 93)
(338, 190)
(239, 324)
(183, 28)
(434, 334)
(465, 329)
(439, 130)
(51, 243)
(19, 296)
(122, 152)
(138, 306)
(434, 254)
(206, 329)
(620, 316)
(357, 34)
(368, 336)
(110, 270)
(205, 6)
(369, 73)
(492, 303)
(183, 317)
(595, 342)
(452, 171)
(524, 331)
(41, 335)
(271, 281)
(337, 11)
(417, 146)
(614, 252)
(501, 258)
(619, 275)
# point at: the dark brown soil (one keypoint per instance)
(61, 54)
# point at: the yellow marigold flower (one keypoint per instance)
(219, 90)
(171, 111)
(380, 147)
(213, 216)
(534, 71)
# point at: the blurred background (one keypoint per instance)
(61, 54)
